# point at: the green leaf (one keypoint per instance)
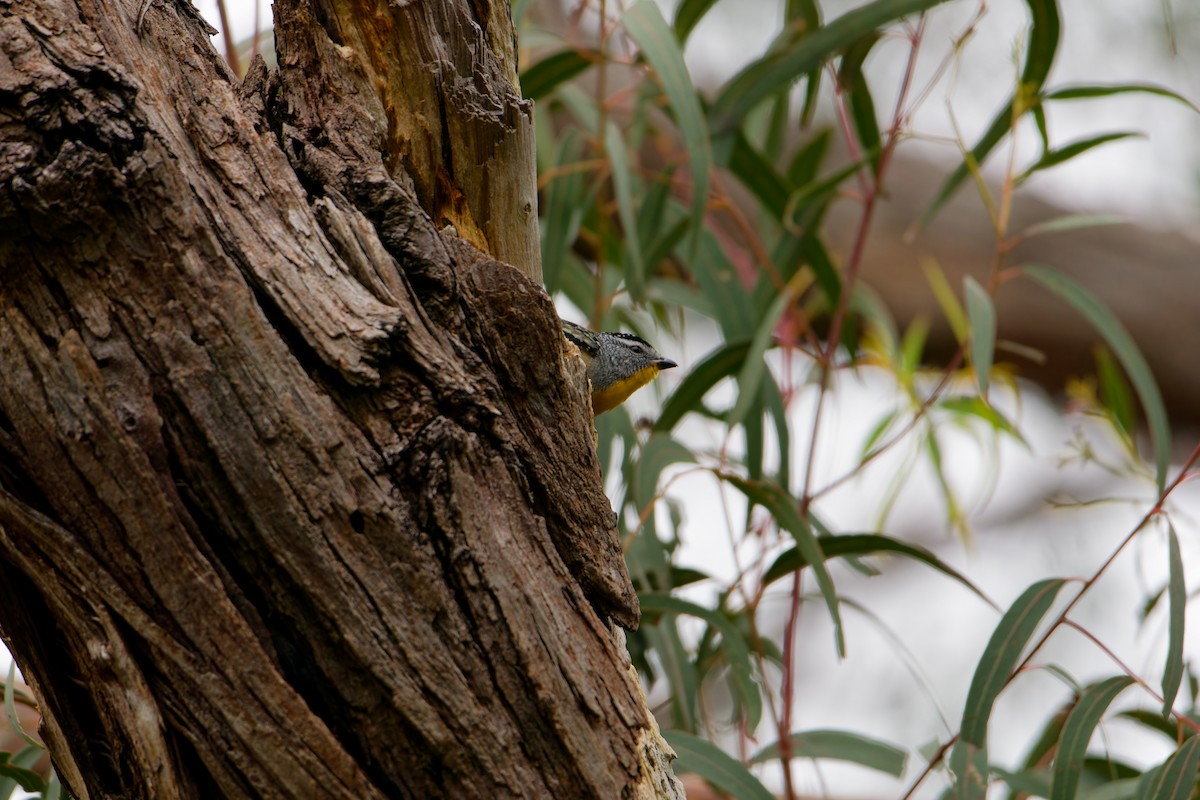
(864, 544)
(840, 746)
(1027, 781)
(1177, 602)
(661, 246)
(775, 72)
(541, 79)
(581, 107)
(685, 576)
(862, 106)
(1077, 732)
(563, 211)
(1093, 91)
(19, 772)
(1154, 721)
(716, 278)
(969, 763)
(1116, 394)
(623, 182)
(1052, 158)
(689, 394)
(876, 433)
(703, 758)
(646, 25)
(803, 17)
(1043, 44)
(678, 669)
(806, 164)
(808, 203)
(1001, 655)
(782, 507)
(1071, 222)
(773, 403)
(54, 790)
(943, 292)
(755, 366)
(10, 707)
(792, 252)
(1119, 789)
(688, 15)
(758, 175)
(658, 453)
(737, 654)
(652, 216)
(976, 407)
(27, 779)
(1126, 351)
(982, 318)
(1176, 778)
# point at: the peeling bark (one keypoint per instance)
(298, 491)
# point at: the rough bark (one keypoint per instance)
(298, 493)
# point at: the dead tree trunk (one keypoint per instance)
(298, 494)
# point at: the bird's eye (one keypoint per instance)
(637, 348)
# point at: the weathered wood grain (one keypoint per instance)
(298, 493)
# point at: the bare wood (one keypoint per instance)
(297, 497)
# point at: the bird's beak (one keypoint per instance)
(665, 363)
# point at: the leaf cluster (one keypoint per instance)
(666, 205)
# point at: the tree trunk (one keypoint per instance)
(298, 490)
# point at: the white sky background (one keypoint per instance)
(1016, 539)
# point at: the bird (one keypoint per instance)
(618, 364)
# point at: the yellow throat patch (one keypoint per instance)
(614, 395)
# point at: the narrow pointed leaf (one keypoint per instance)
(563, 211)
(841, 746)
(751, 374)
(1052, 158)
(20, 772)
(862, 106)
(943, 292)
(1077, 732)
(982, 318)
(865, 544)
(688, 15)
(758, 175)
(1176, 778)
(776, 71)
(1001, 654)
(976, 407)
(541, 79)
(677, 668)
(705, 759)
(1042, 46)
(10, 707)
(969, 763)
(1126, 351)
(689, 394)
(1093, 91)
(1032, 782)
(1177, 602)
(806, 164)
(733, 645)
(1071, 222)
(622, 175)
(646, 25)
(27, 779)
(658, 453)
(54, 790)
(1154, 721)
(782, 507)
